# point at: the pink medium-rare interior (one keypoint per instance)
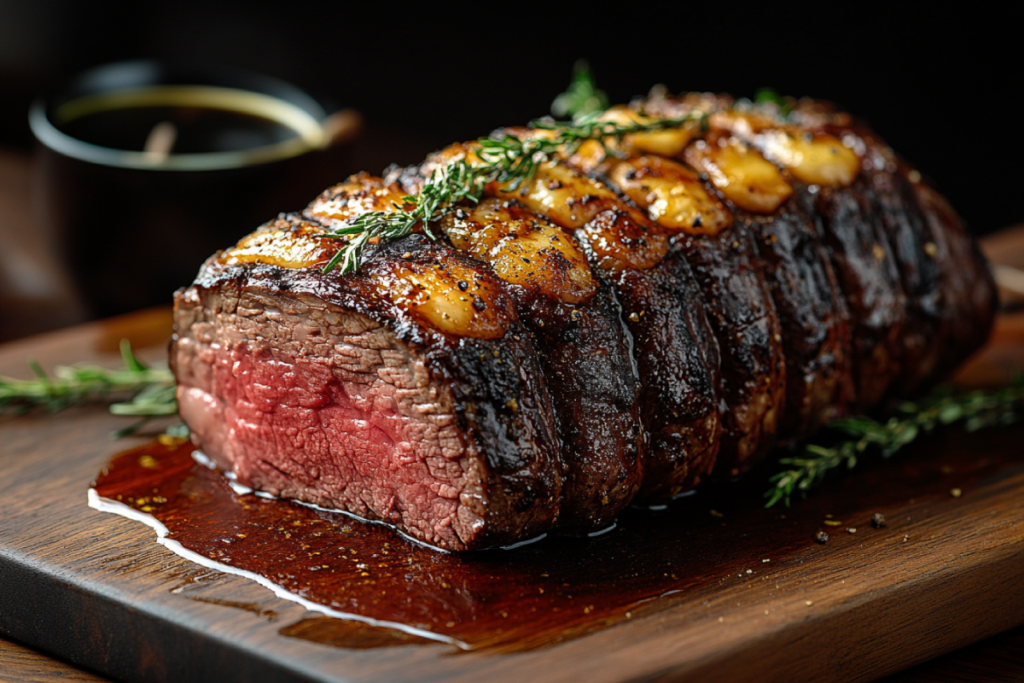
(327, 407)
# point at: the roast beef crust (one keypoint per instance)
(813, 319)
(743, 317)
(866, 268)
(590, 378)
(677, 359)
(841, 299)
(496, 387)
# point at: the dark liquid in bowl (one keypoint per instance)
(199, 129)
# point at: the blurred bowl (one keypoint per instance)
(143, 170)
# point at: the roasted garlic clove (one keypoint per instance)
(673, 195)
(740, 173)
(286, 247)
(669, 142)
(619, 235)
(361, 193)
(560, 194)
(523, 249)
(816, 159)
(450, 297)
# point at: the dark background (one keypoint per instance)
(942, 85)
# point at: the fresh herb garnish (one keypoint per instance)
(506, 159)
(770, 96)
(976, 409)
(151, 389)
(582, 98)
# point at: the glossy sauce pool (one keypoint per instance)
(389, 591)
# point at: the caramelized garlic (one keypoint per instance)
(668, 143)
(361, 193)
(740, 173)
(673, 195)
(523, 249)
(451, 297)
(619, 236)
(814, 158)
(287, 248)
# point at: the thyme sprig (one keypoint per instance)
(976, 410)
(582, 98)
(151, 390)
(508, 159)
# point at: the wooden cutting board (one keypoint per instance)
(750, 595)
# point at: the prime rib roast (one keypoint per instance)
(614, 331)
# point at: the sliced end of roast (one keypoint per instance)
(330, 408)
(306, 399)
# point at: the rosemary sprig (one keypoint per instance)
(582, 98)
(976, 409)
(507, 159)
(151, 389)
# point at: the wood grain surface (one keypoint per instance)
(20, 664)
(946, 572)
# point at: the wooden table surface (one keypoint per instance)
(1000, 658)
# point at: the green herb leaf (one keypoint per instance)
(582, 98)
(977, 409)
(506, 159)
(770, 96)
(150, 391)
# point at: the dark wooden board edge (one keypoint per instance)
(47, 611)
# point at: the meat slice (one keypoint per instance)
(866, 267)
(815, 326)
(678, 363)
(969, 296)
(749, 334)
(330, 390)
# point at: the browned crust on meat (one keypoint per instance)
(749, 335)
(678, 364)
(815, 331)
(590, 378)
(495, 387)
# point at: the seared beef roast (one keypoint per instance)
(603, 334)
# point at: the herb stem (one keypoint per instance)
(506, 159)
(976, 410)
(152, 389)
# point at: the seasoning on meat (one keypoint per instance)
(615, 328)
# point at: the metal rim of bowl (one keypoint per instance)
(309, 130)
